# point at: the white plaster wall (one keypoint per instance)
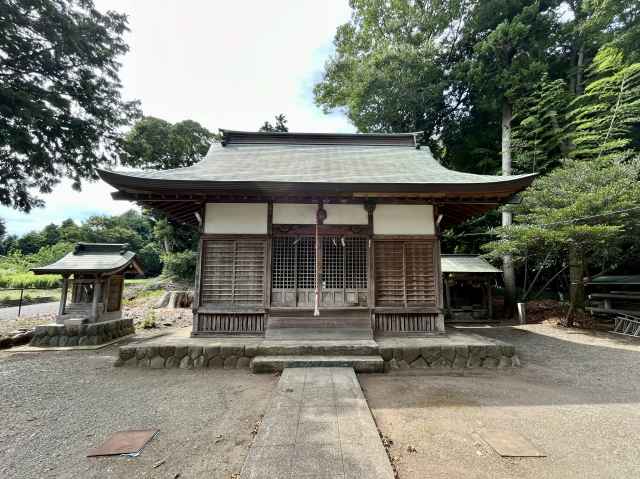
(236, 218)
(403, 220)
(305, 214)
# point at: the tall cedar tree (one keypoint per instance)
(61, 111)
(507, 42)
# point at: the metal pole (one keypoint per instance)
(20, 303)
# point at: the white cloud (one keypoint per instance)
(224, 64)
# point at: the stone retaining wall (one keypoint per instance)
(90, 334)
(225, 356)
(499, 355)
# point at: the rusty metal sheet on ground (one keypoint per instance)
(124, 442)
(509, 444)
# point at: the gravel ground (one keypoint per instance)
(577, 398)
(57, 405)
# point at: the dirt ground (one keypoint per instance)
(577, 399)
(57, 405)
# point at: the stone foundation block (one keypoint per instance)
(410, 354)
(186, 363)
(217, 362)
(243, 362)
(211, 351)
(157, 363)
(419, 363)
(230, 362)
(75, 333)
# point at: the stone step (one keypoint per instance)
(330, 322)
(317, 334)
(324, 312)
(361, 364)
(318, 348)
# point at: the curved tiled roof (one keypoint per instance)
(337, 164)
(92, 258)
(270, 166)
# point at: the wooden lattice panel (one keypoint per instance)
(344, 273)
(405, 323)
(404, 273)
(389, 273)
(233, 272)
(419, 273)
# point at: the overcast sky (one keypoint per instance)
(226, 64)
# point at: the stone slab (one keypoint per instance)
(509, 443)
(304, 439)
(362, 364)
(36, 349)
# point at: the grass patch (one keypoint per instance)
(29, 280)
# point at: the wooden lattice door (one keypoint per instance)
(343, 275)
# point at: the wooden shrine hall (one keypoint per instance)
(337, 233)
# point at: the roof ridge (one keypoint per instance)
(229, 137)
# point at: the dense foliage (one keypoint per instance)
(61, 112)
(554, 85)
(158, 144)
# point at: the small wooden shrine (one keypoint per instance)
(94, 273)
(468, 282)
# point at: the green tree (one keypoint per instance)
(70, 232)
(392, 67)
(158, 144)
(586, 211)
(540, 136)
(31, 242)
(604, 117)
(279, 126)
(61, 110)
(507, 43)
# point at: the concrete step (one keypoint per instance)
(317, 334)
(361, 364)
(365, 347)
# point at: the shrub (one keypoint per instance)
(49, 254)
(180, 265)
(149, 321)
(150, 258)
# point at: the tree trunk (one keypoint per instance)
(579, 73)
(576, 288)
(167, 245)
(507, 217)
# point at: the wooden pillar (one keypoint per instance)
(489, 301)
(370, 207)
(438, 272)
(97, 296)
(107, 291)
(63, 295)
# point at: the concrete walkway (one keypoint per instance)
(29, 310)
(317, 426)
